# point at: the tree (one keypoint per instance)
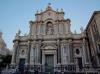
(6, 60)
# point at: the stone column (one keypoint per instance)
(43, 58)
(71, 51)
(87, 52)
(32, 55)
(38, 44)
(60, 27)
(55, 28)
(39, 28)
(67, 54)
(62, 54)
(13, 55)
(55, 58)
(83, 51)
(15, 48)
(37, 53)
(28, 53)
(32, 28)
(58, 52)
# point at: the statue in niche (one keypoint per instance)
(49, 28)
(22, 52)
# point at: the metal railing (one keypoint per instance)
(41, 69)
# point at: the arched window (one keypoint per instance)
(49, 28)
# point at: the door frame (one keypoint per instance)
(49, 52)
(24, 60)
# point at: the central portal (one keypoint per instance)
(49, 63)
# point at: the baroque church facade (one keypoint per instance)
(50, 43)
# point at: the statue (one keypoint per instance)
(49, 28)
(25, 34)
(81, 29)
(18, 34)
(75, 32)
(0, 34)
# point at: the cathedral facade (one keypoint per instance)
(51, 46)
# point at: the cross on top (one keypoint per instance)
(49, 4)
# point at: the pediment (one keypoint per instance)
(49, 47)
